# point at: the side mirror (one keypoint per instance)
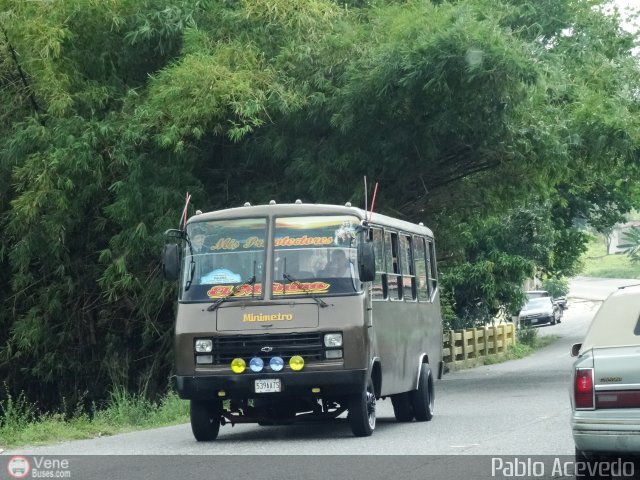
(171, 262)
(575, 349)
(366, 259)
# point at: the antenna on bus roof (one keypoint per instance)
(365, 194)
(183, 218)
(373, 200)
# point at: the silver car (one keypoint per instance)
(605, 393)
(538, 311)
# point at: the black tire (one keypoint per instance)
(362, 411)
(423, 399)
(402, 407)
(205, 419)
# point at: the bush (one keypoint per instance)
(556, 286)
(527, 336)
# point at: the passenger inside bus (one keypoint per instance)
(197, 241)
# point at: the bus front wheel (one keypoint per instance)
(423, 398)
(205, 419)
(362, 411)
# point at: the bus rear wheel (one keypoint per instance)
(362, 411)
(205, 419)
(402, 407)
(423, 399)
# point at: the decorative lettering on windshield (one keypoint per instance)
(230, 243)
(219, 291)
(299, 288)
(303, 241)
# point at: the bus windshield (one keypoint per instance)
(221, 255)
(315, 255)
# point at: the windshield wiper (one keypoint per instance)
(192, 264)
(250, 281)
(319, 301)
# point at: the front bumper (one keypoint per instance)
(333, 383)
(607, 431)
(535, 320)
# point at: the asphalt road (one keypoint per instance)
(596, 288)
(517, 408)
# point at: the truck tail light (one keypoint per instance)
(583, 388)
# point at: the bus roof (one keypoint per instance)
(296, 209)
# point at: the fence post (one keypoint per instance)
(475, 343)
(464, 344)
(486, 341)
(452, 342)
(504, 338)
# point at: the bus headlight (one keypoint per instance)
(333, 340)
(204, 345)
(296, 363)
(333, 354)
(238, 365)
(256, 364)
(204, 359)
(276, 364)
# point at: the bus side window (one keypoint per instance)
(394, 279)
(408, 271)
(432, 272)
(421, 269)
(379, 284)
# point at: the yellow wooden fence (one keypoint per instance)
(475, 343)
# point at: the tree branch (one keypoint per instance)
(23, 77)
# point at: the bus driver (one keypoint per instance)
(338, 266)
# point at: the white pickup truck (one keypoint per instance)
(605, 392)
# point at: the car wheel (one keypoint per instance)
(205, 419)
(402, 407)
(423, 399)
(362, 411)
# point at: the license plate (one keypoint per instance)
(268, 385)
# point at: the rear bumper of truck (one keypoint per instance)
(332, 383)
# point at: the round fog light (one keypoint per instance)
(276, 364)
(296, 363)
(238, 365)
(256, 364)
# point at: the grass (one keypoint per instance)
(597, 263)
(20, 424)
(523, 348)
